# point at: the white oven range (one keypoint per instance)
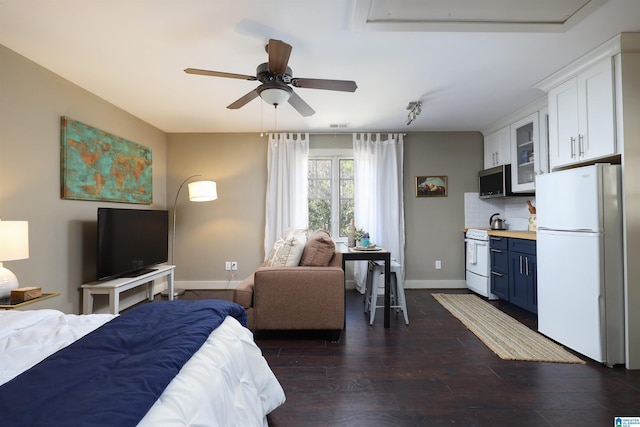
(478, 262)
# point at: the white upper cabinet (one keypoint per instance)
(582, 117)
(497, 148)
(542, 148)
(524, 159)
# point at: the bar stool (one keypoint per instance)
(374, 289)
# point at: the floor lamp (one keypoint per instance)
(14, 245)
(199, 191)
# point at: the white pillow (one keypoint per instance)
(287, 252)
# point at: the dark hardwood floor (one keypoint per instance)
(432, 372)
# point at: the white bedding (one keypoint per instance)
(226, 383)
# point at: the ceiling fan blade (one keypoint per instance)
(279, 53)
(341, 85)
(244, 100)
(219, 74)
(301, 106)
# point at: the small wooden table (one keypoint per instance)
(114, 287)
(351, 254)
(7, 304)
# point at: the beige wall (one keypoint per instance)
(232, 227)
(61, 232)
(631, 186)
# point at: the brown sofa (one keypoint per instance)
(296, 298)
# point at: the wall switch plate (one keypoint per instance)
(438, 264)
(234, 265)
(227, 265)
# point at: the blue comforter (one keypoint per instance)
(113, 375)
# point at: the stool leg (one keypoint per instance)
(374, 296)
(394, 292)
(368, 287)
(402, 299)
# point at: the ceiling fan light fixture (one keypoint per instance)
(275, 94)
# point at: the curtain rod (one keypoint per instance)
(328, 133)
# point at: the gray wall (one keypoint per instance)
(232, 227)
(61, 232)
(229, 229)
(630, 136)
(434, 225)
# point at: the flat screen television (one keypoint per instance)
(131, 241)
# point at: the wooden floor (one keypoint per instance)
(432, 372)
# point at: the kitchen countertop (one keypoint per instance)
(517, 234)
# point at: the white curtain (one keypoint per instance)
(379, 196)
(287, 180)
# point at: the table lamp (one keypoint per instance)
(14, 245)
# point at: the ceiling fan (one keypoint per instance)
(276, 78)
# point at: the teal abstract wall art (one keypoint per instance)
(99, 166)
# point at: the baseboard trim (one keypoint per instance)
(435, 284)
(408, 284)
(206, 284)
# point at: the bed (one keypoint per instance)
(178, 363)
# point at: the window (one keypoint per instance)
(331, 194)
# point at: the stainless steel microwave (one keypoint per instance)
(495, 182)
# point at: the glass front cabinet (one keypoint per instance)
(524, 159)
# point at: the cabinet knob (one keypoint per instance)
(573, 148)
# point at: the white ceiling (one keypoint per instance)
(470, 62)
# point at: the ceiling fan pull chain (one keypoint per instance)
(261, 122)
(275, 118)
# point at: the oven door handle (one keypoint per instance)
(477, 242)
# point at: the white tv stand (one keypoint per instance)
(114, 287)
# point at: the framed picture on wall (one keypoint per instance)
(431, 186)
(99, 166)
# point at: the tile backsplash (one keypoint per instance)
(514, 210)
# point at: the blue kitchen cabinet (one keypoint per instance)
(499, 251)
(523, 274)
(514, 271)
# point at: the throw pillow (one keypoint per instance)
(287, 252)
(319, 250)
(296, 233)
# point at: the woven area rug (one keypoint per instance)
(505, 336)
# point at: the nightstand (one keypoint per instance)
(7, 304)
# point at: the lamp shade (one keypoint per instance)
(274, 94)
(203, 191)
(14, 240)
(14, 244)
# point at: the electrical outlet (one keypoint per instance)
(438, 264)
(234, 265)
(227, 265)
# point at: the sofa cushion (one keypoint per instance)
(287, 252)
(319, 250)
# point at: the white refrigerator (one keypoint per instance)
(580, 263)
